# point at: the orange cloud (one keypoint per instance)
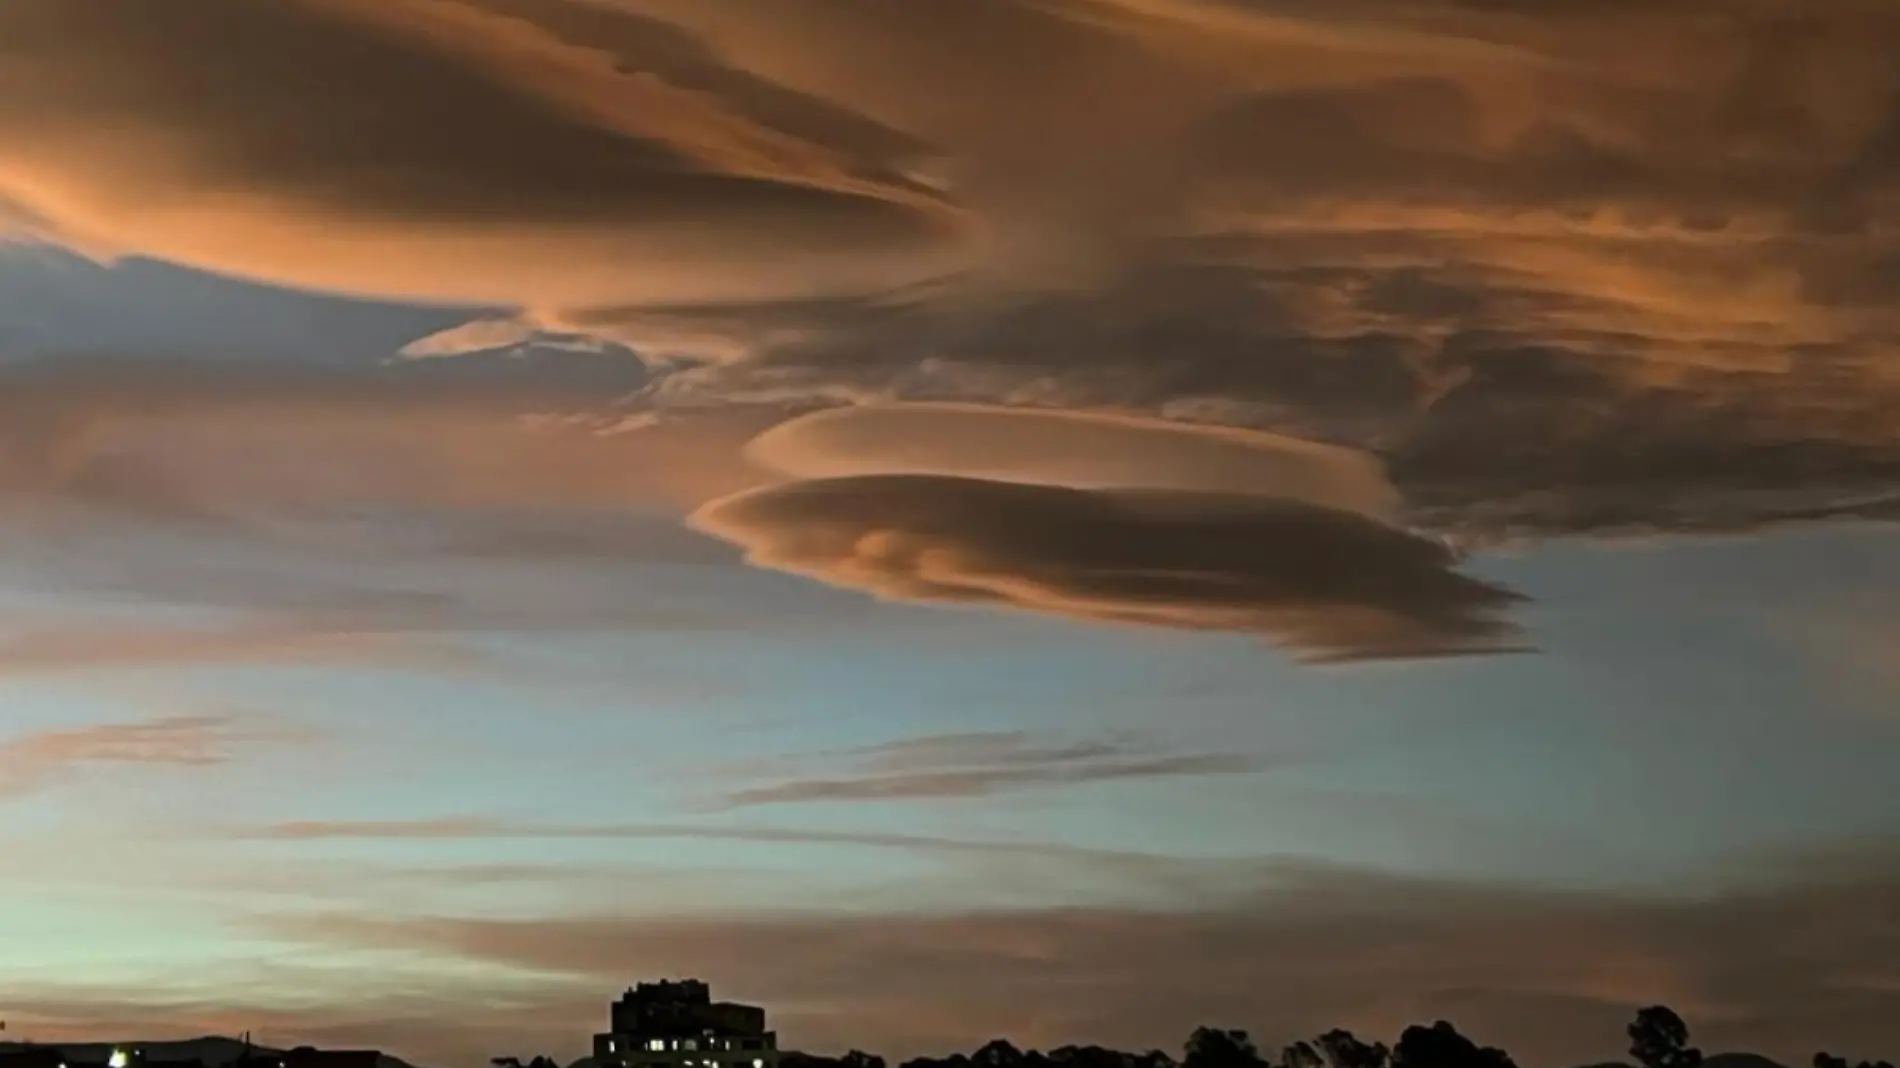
(1079, 449)
(432, 149)
(1324, 584)
(1562, 268)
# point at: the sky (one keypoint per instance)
(1066, 520)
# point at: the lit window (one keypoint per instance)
(757, 1063)
(656, 1043)
(610, 1045)
(692, 1044)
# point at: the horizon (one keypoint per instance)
(137, 1051)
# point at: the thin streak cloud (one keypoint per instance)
(35, 761)
(964, 766)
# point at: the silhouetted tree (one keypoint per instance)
(1213, 1047)
(1301, 1055)
(1343, 1050)
(857, 1058)
(1659, 1039)
(1101, 1057)
(955, 1060)
(1441, 1046)
(997, 1053)
(1829, 1060)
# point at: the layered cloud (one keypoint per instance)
(1561, 268)
(528, 470)
(1503, 396)
(1323, 583)
(1084, 450)
(1570, 268)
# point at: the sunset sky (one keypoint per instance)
(1055, 519)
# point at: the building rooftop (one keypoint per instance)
(669, 1008)
(306, 1057)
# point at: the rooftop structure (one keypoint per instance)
(678, 1025)
(306, 1057)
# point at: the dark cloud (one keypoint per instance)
(977, 765)
(1327, 585)
(1549, 975)
(420, 128)
(1766, 111)
(1502, 397)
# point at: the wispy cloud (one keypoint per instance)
(32, 762)
(265, 641)
(463, 828)
(977, 765)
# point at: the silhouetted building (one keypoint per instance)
(307, 1057)
(678, 1025)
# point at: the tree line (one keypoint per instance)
(1658, 1039)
